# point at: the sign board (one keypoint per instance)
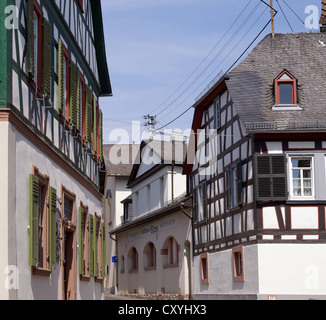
(114, 259)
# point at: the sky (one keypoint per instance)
(163, 54)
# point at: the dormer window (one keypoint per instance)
(286, 92)
(285, 89)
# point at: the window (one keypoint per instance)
(64, 81)
(270, 175)
(170, 253)
(238, 264)
(150, 256)
(285, 89)
(204, 268)
(201, 202)
(301, 178)
(127, 211)
(217, 113)
(122, 265)
(43, 221)
(133, 260)
(83, 241)
(233, 189)
(34, 35)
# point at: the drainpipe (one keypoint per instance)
(172, 181)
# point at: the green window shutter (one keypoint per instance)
(33, 223)
(81, 238)
(47, 61)
(74, 95)
(95, 125)
(101, 135)
(103, 244)
(270, 177)
(91, 244)
(89, 114)
(96, 235)
(61, 88)
(30, 37)
(53, 228)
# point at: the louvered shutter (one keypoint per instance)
(30, 37)
(95, 125)
(34, 220)
(96, 235)
(74, 95)
(81, 239)
(47, 61)
(61, 87)
(89, 114)
(103, 244)
(53, 228)
(91, 244)
(101, 135)
(270, 177)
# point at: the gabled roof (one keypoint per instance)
(251, 86)
(119, 159)
(251, 83)
(164, 153)
(103, 70)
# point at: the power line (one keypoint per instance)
(285, 16)
(211, 51)
(234, 35)
(262, 30)
(238, 43)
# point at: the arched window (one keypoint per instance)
(150, 256)
(285, 89)
(122, 265)
(170, 252)
(133, 260)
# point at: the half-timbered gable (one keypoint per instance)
(55, 80)
(258, 172)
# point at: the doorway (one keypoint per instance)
(69, 276)
(68, 246)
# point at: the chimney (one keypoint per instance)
(323, 16)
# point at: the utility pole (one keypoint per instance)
(151, 121)
(272, 15)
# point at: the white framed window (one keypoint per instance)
(201, 202)
(301, 177)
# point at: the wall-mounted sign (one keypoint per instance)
(114, 259)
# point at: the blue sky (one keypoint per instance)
(163, 53)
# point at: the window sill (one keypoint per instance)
(287, 107)
(84, 278)
(133, 271)
(99, 279)
(149, 268)
(168, 266)
(40, 272)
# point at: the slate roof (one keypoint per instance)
(115, 161)
(251, 83)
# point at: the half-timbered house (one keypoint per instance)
(53, 72)
(258, 175)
